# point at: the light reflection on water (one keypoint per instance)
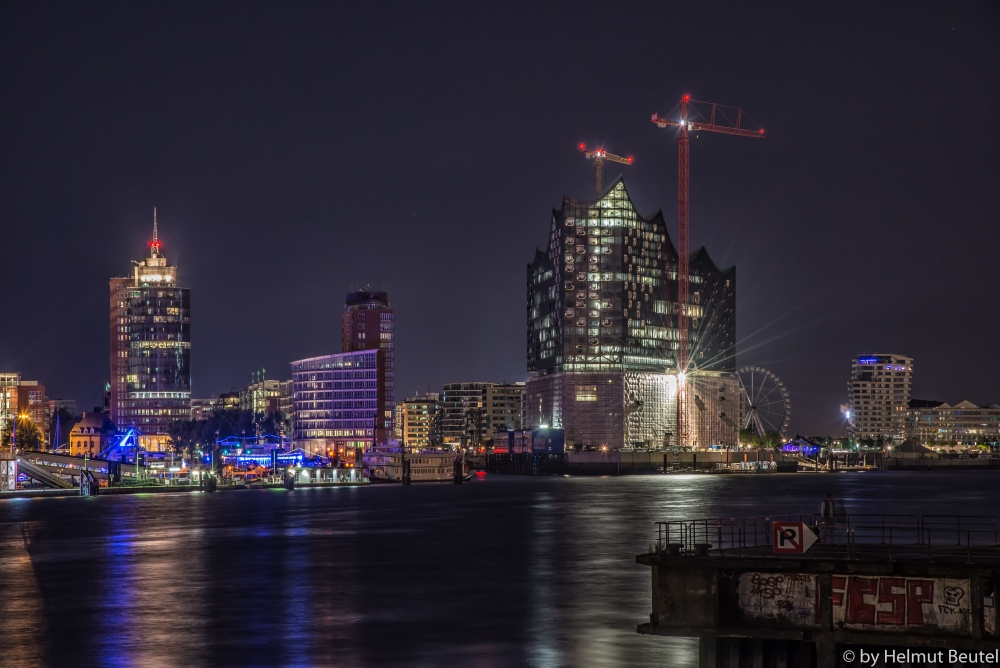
(503, 571)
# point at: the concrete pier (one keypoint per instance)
(876, 583)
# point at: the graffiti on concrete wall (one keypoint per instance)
(788, 598)
(900, 604)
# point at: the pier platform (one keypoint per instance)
(758, 592)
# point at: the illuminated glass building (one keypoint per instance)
(150, 348)
(339, 403)
(602, 325)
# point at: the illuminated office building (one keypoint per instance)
(464, 421)
(878, 396)
(339, 403)
(8, 408)
(503, 404)
(938, 424)
(419, 419)
(150, 348)
(23, 400)
(602, 326)
(264, 397)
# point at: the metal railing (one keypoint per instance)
(854, 534)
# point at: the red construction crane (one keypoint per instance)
(718, 120)
(600, 155)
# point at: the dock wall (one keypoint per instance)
(766, 612)
(592, 462)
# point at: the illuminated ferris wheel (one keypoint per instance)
(766, 406)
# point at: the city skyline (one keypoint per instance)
(849, 224)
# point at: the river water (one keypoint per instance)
(500, 571)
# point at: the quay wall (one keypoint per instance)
(761, 610)
(592, 462)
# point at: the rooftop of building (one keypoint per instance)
(328, 361)
(881, 358)
(698, 256)
(96, 419)
(368, 298)
(962, 405)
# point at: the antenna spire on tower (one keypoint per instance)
(154, 225)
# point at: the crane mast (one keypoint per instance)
(684, 125)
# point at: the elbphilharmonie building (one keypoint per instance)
(603, 335)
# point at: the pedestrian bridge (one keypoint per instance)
(63, 471)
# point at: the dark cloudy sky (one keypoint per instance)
(294, 149)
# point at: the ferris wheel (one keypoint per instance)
(766, 406)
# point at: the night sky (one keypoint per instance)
(294, 150)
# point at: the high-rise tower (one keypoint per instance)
(150, 348)
(367, 324)
(602, 313)
(878, 396)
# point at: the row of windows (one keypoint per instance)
(335, 375)
(352, 361)
(333, 433)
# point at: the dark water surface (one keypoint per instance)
(503, 571)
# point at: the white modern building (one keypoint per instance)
(879, 395)
(937, 423)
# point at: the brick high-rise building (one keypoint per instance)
(367, 324)
(150, 348)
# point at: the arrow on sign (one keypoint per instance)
(791, 537)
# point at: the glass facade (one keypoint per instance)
(464, 419)
(150, 349)
(339, 403)
(604, 295)
(602, 322)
